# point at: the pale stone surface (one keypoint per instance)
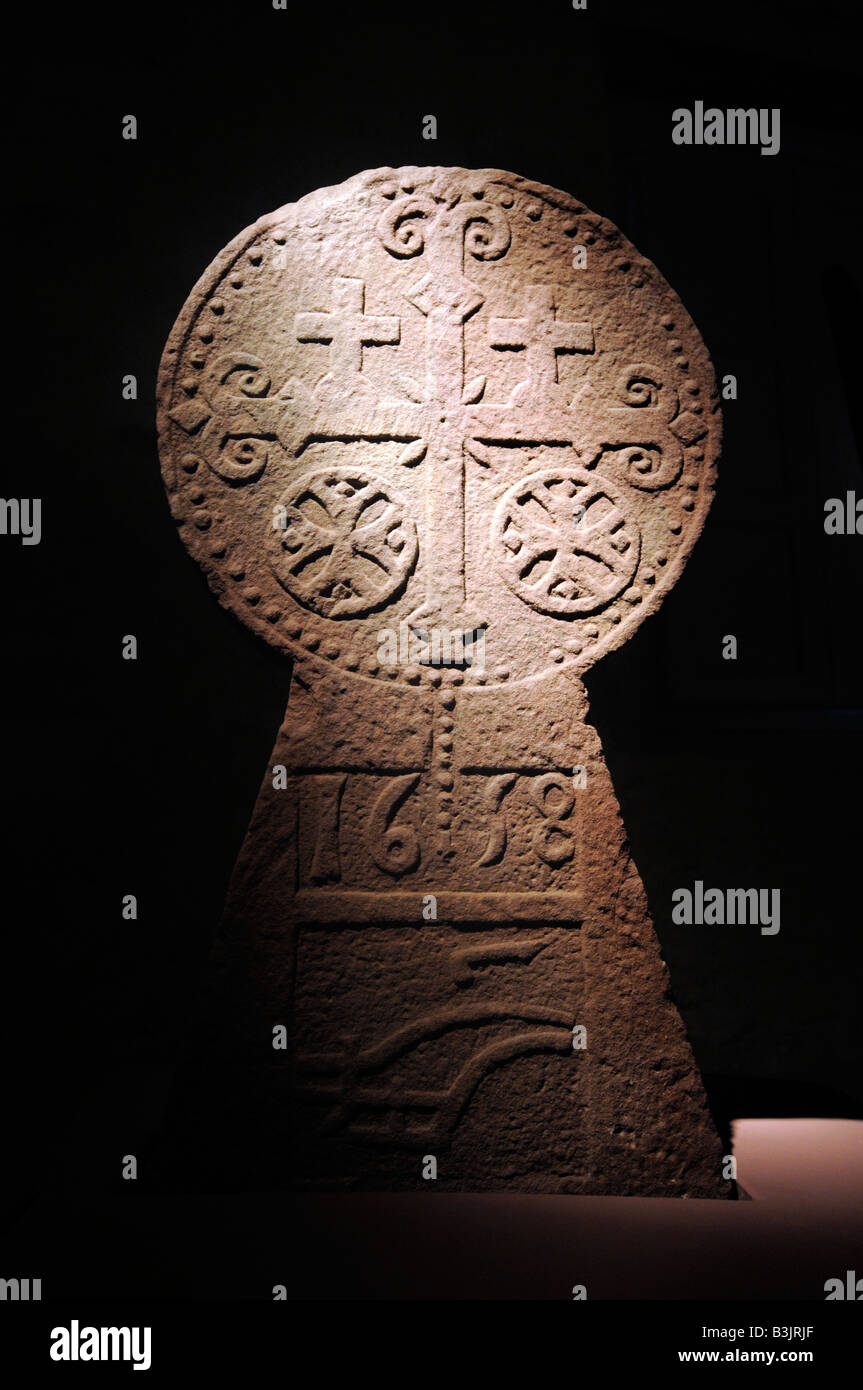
(398, 405)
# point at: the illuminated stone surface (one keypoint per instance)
(397, 417)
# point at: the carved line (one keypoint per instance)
(483, 770)
(449, 1103)
(432, 1025)
(355, 436)
(327, 907)
(464, 961)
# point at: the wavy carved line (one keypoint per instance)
(446, 1106)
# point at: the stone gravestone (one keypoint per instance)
(444, 438)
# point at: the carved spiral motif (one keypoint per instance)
(486, 232)
(639, 384)
(483, 227)
(397, 230)
(237, 374)
(242, 460)
(645, 466)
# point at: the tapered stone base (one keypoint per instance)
(435, 912)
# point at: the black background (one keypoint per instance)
(139, 777)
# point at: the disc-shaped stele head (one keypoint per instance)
(438, 415)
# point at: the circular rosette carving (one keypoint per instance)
(562, 542)
(340, 543)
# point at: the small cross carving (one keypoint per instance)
(347, 328)
(542, 335)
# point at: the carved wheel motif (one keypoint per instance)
(562, 543)
(341, 544)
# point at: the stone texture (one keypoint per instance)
(398, 405)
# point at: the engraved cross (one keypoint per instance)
(347, 328)
(543, 336)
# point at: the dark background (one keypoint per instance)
(139, 777)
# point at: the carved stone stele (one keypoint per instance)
(444, 438)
